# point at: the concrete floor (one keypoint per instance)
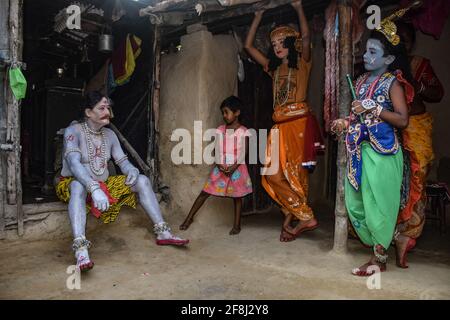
(251, 265)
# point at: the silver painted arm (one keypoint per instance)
(72, 153)
(122, 161)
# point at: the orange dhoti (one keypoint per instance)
(289, 185)
(417, 139)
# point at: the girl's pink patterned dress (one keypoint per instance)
(239, 184)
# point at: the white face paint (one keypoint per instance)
(100, 114)
(278, 47)
(374, 58)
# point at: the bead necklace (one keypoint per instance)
(281, 93)
(92, 150)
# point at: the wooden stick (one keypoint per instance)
(217, 12)
(144, 167)
(130, 115)
(159, 7)
(153, 111)
(345, 62)
(157, 82)
(229, 3)
(2, 205)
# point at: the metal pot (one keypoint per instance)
(60, 72)
(105, 43)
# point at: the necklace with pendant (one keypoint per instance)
(281, 95)
(93, 152)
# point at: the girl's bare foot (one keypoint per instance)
(303, 226)
(235, 230)
(185, 225)
(369, 268)
(403, 244)
(286, 236)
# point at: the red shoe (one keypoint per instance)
(86, 266)
(173, 242)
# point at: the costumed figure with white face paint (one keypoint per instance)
(296, 133)
(86, 185)
(374, 153)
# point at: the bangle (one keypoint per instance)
(377, 111)
(71, 150)
(368, 104)
(118, 162)
(92, 186)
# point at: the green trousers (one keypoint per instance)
(373, 209)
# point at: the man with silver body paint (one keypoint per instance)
(88, 147)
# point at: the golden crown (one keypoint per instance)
(387, 26)
(283, 31)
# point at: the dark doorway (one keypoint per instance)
(256, 93)
(60, 65)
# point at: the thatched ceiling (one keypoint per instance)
(173, 16)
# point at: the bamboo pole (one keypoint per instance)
(345, 63)
(141, 163)
(153, 110)
(2, 205)
(156, 81)
(14, 182)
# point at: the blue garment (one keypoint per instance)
(381, 135)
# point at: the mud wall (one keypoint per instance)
(194, 82)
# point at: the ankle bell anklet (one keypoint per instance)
(81, 243)
(159, 228)
(381, 258)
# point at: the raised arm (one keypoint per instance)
(252, 51)
(304, 30)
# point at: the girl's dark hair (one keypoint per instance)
(90, 99)
(236, 104)
(408, 29)
(401, 61)
(232, 102)
(274, 61)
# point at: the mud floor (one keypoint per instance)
(215, 265)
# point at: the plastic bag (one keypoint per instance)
(18, 83)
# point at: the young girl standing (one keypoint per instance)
(229, 177)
